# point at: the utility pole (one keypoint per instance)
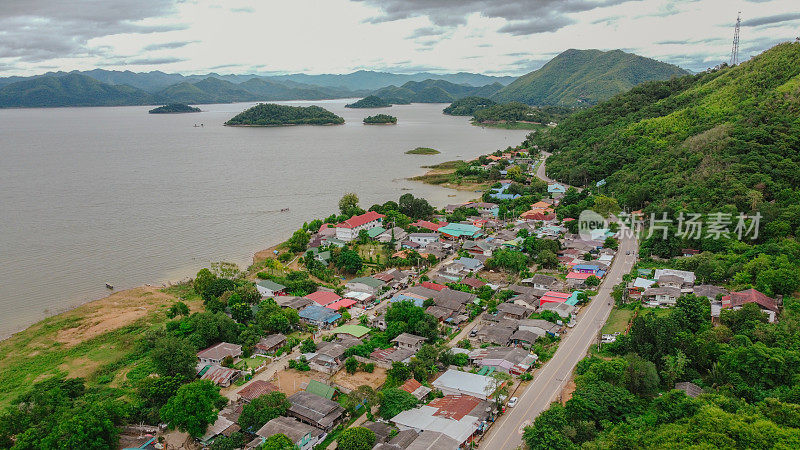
(735, 47)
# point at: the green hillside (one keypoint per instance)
(270, 114)
(467, 106)
(726, 137)
(585, 77)
(433, 91)
(69, 90)
(369, 101)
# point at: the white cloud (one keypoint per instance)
(336, 36)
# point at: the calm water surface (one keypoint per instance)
(96, 195)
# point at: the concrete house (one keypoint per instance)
(423, 239)
(304, 436)
(315, 410)
(269, 288)
(216, 353)
(409, 341)
(365, 284)
(349, 229)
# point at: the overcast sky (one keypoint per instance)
(339, 36)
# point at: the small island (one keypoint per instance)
(380, 119)
(174, 108)
(272, 115)
(516, 115)
(423, 151)
(371, 101)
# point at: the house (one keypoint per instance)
(709, 291)
(328, 358)
(564, 310)
(391, 355)
(661, 296)
(373, 233)
(350, 228)
(512, 360)
(416, 389)
(394, 277)
(556, 189)
(319, 316)
(691, 389)
(216, 353)
(484, 208)
(639, 285)
(397, 233)
(409, 245)
(538, 215)
(428, 225)
(255, 389)
(382, 431)
(470, 265)
(578, 279)
(474, 283)
(423, 239)
(423, 420)
(434, 286)
(304, 436)
(543, 282)
(512, 311)
(323, 298)
(319, 388)
(357, 331)
(524, 338)
(341, 303)
(403, 440)
(554, 297)
(455, 382)
(592, 269)
(221, 376)
(687, 252)
(688, 277)
(322, 256)
(459, 230)
(270, 344)
(539, 327)
(735, 300)
(288, 301)
(269, 288)
(378, 322)
(315, 410)
(409, 341)
(363, 299)
(499, 334)
(221, 427)
(477, 247)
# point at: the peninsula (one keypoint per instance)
(272, 115)
(380, 119)
(371, 101)
(174, 108)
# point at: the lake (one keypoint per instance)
(90, 196)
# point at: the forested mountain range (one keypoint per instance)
(434, 91)
(585, 77)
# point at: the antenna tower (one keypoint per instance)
(735, 48)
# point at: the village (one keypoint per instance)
(430, 351)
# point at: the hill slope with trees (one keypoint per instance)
(585, 77)
(270, 114)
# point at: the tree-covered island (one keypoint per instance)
(380, 119)
(271, 115)
(371, 101)
(174, 108)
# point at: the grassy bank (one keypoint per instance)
(95, 341)
(423, 151)
(443, 174)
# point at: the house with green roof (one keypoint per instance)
(375, 232)
(269, 288)
(459, 230)
(365, 284)
(321, 389)
(322, 256)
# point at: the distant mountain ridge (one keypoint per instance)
(577, 77)
(434, 91)
(131, 88)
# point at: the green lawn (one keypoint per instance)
(252, 362)
(617, 321)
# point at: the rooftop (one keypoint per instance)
(359, 220)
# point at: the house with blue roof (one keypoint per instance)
(319, 316)
(400, 297)
(459, 230)
(556, 188)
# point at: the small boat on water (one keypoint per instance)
(284, 209)
(108, 286)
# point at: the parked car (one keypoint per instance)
(473, 333)
(512, 402)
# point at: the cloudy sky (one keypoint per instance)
(338, 36)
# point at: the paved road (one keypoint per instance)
(506, 433)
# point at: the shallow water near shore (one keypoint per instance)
(90, 196)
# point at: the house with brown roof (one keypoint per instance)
(415, 388)
(221, 376)
(513, 311)
(735, 300)
(270, 344)
(255, 389)
(304, 436)
(409, 341)
(217, 352)
(315, 410)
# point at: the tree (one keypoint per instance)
(641, 376)
(611, 243)
(248, 292)
(263, 409)
(278, 442)
(348, 204)
(349, 261)
(227, 270)
(399, 372)
(356, 438)
(592, 281)
(674, 366)
(178, 309)
(299, 241)
(241, 312)
(308, 346)
(351, 365)
(174, 356)
(90, 429)
(394, 401)
(202, 282)
(193, 408)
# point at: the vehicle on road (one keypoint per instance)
(512, 402)
(628, 252)
(473, 333)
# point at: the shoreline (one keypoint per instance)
(257, 256)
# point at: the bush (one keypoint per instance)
(300, 364)
(369, 367)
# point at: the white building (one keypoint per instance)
(349, 229)
(423, 239)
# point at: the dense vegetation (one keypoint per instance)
(270, 114)
(69, 90)
(380, 119)
(369, 101)
(423, 151)
(467, 106)
(580, 77)
(747, 368)
(174, 108)
(519, 112)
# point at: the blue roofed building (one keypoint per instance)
(459, 230)
(556, 188)
(319, 316)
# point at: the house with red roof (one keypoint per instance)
(343, 303)
(435, 286)
(428, 225)
(349, 229)
(323, 298)
(736, 300)
(554, 297)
